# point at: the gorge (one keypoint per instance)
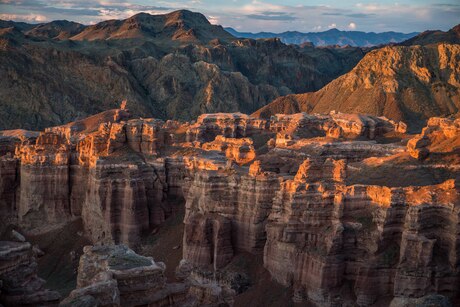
(342, 207)
(235, 171)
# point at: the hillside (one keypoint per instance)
(173, 66)
(409, 83)
(433, 37)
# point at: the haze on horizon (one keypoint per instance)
(255, 16)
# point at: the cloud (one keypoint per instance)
(213, 19)
(24, 17)
(332, 14)
(332, 26)
(360, 15)
(79, 10)
(352, 26)
(272, 16)
(255, 15)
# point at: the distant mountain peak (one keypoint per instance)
(434, 37)
(331, 37)
(187, 15)
(334, 30)
(182, 25)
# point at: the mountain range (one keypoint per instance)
(179, 65)
(330, 37)
(172, 66)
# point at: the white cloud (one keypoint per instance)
(24, 17)
(249, 15)
(213, 19)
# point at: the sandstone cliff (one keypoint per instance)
(342, 207)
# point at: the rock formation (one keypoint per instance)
(116, 276)
(342, 207)
(408, 83)
(440, 136)
(19, 283)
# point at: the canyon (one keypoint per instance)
(342, 188)
(341, 209)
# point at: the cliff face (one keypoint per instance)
(402, 83)
(338, 206)
(19, 283)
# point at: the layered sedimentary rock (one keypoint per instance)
(335, 125)
(329, 201)
(239, 150)
(442, 135)
(19, 283)
(230, 125)
(116, 276)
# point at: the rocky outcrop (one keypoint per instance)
(116, 276)
(441, 135)
(231, 125)
(334, 125)
(19, 283)
(410, 83)
(239, 150)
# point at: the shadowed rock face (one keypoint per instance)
(173, 66)
(340, 206)
(19, 283)
(410, 84)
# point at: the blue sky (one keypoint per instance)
(255, 15)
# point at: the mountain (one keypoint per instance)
(408, 83)
(330, 37)
(58, 29)
(172, 66)
(179, 25)
(433, 37)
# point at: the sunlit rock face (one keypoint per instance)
(440, 136)
(403, 83)
(338, 206)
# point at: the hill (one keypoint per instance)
(409, 83)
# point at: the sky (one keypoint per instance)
(256, 15)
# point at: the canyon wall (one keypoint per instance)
(329, 201)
